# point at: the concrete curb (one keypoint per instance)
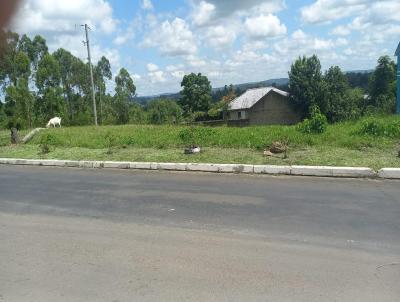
(321, 171)
(390, 173)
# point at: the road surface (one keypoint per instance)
(96, 235)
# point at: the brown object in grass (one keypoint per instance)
(277, 147)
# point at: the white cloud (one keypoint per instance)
(157, 76)
(171, 68)
(203, 13)
(322, 11)
(367, 11)
(226, 8)
(136, 76)
(341, 42)
(126, 35)
(47, 16)
(220, 36)
(147, 5)
(264, 26)
(172, 38)
(195, 61)
(299, 43)
(178, 74)
(341, 30)
(151, 67)
(59, 23)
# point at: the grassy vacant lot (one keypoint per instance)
(363, 143)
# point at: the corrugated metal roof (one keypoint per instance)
(252, 96)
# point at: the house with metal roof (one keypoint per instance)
(262, 106)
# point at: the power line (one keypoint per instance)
(91, 72)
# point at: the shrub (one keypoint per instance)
(377, 127)
(195, 135)
(187, 136)
(316, 124)
(46, 141)
(110, 141)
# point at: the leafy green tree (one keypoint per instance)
(48, 80)
(8, 50)
(124, 93)
(15, 75)
(338, 107)
(66, 63)
(102, 72)
(220, 109)
(381, 88)
(196, 93)
(20, 104)
(163, 111)
(137, 115)
(35, 49)
(354, 103)
(3, 117)
(306, 84)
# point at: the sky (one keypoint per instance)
(229, 41)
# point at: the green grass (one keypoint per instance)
(5, 136)
(342, 144)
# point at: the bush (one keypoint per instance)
(316, 124)
(377, 127)
(187, 136)
(46, 141)
(195, 135)
(110, 141)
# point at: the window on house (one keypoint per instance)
(239, 115)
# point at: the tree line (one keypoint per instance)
(37, 85)
(331, 92)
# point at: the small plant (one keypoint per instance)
(110, 142)
(316, 124)
(46, 141)
(192, 136)
(188, 136)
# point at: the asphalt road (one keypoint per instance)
(96, 235)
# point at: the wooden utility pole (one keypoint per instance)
(91, 73)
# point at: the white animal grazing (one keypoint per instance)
(53, 122)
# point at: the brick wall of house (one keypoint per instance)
(273, 109)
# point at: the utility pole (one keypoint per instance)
(91, 72)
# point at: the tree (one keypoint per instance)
(137, 115)
(102, 72)
(381, 88)
(8, 51)
(20, 104)
(196, 93)
(3, 117)
(220, 109)
(306, 84)
(124, 93)
(18, 99)
(355, 102)
(337, 105)
(66, 62)
(163, 111)
(48, 80)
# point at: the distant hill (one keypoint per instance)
(357, 78)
